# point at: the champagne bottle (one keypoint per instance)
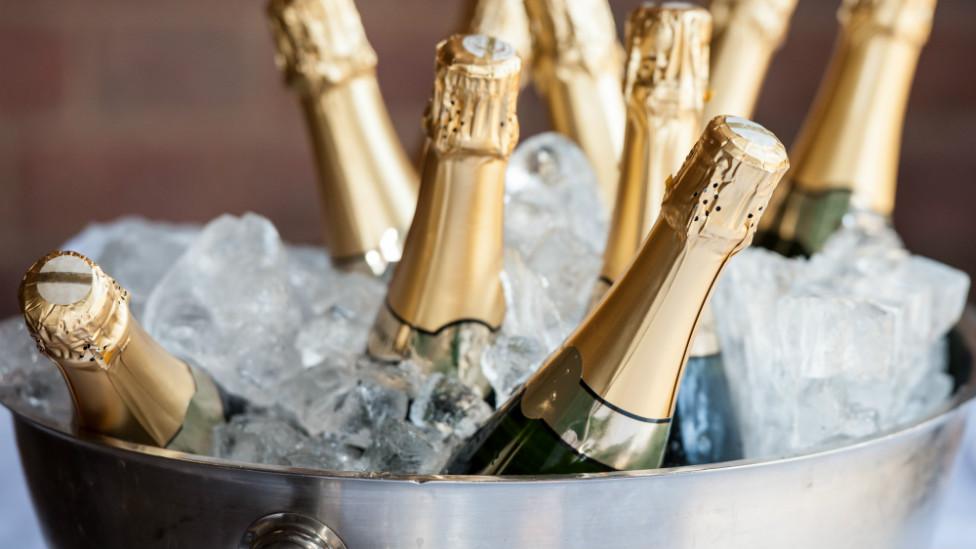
(577, 68)
(121, 381)
(665, 80)
(368, 187)
(445, 300)
(846, 155)
(746, 35)
(704, 427)
(505, 20)
(604, 400)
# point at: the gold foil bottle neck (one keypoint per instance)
(319, 42)
(452, 260)
(746, 35)
(574, 32)
(577, 68)
(628, 354)
(847, 150)
(507, 21)
(665, 85)
(767, 20)
(368, 187)
(121, 381)
(909, 20)
(475, 94)
(667, 56)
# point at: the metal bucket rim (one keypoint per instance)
(127, 450)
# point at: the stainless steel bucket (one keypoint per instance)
(880, 493)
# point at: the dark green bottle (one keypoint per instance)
(604, 401)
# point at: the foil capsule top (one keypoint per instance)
(319, 42)
(726, 182)
(473, 105)
(75, 312)
(667, 56)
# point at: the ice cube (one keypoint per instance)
(135, 252)
(449, 406)
(30, 383)
(257, 439)
(401, 447)
(509, 362)
(550, 185)
(227, 306)
(325, 453)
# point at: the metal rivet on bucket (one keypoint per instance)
(290, 531)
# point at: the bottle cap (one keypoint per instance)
(726, 182)
(74, 311)
(475, 94)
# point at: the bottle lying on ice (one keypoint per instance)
(665, 82)
(577, 66)
(367, 185)
(122, 382)
(846, 154)
(445, 300)
(604, 400)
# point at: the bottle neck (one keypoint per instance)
(744, 43)
(140, 395)
(655, 146)
(633, 347)
(453, 257)
(367, 185)
(588, 107)
(852, 138)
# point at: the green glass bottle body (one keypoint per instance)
(704, 428)
(513, 444)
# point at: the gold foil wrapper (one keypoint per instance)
(746, 35)
(449, 276)
(472, 108)
(367, 184)
(122, 382)
(665, 85)
(577, 68)
(851, 139)
(909, 20)
(319, 42)
(633, 346)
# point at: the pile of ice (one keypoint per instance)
(278, 326)
(838, 347)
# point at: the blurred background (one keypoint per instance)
(174, 110)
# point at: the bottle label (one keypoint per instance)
(592, 426)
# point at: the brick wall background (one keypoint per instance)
(174, 110)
